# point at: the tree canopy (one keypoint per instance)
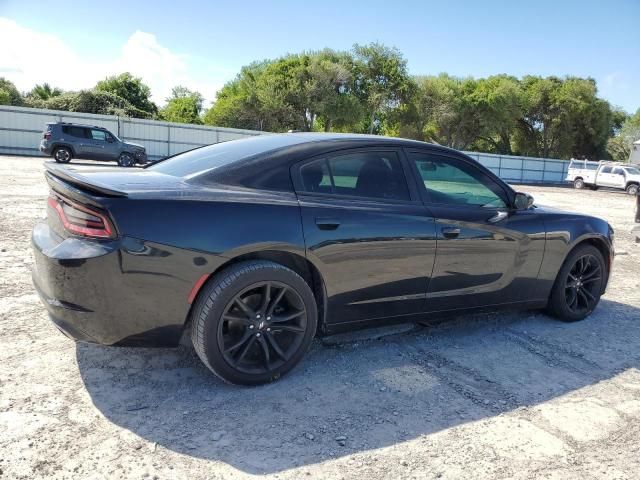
(369, 90)
(130, 88)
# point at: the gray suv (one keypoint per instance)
(64, 141)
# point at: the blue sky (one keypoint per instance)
(203, 44)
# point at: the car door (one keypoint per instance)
(487, 252)
(604, 178)
(96, 144)
(367, 231)
(618, 178)
(111, 147)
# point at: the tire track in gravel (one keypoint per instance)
(467, 382)
(553, 355)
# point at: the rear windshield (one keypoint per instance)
(201, 160)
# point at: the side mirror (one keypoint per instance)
(110, 139)
(523, 201)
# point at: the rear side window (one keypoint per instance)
(361, 174)
(74, 131)
(606, 170)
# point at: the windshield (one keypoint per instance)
(632, 171)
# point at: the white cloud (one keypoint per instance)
(36, 57)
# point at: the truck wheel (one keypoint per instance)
(632, 189)
(578, 183)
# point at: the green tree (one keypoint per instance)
(131, 89)
(237, 104)
(619, 146)
(381, 79)
(44, 92)
(564, 118)
(183, 106)
(92, 101)
(9, 94)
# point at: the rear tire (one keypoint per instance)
(579, 284)
(253, 322)
(62, 155)
(632, 189)
(578, 184)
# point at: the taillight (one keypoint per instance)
(81, 220)
(46, 135)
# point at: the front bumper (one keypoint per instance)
(111, 293)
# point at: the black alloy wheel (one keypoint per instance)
(582, 284)
(579, 284)
(253, 322)
(262, 327)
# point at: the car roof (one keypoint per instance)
(77, 125)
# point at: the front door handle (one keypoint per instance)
(325, 223)
(450, 232)
(498, 216)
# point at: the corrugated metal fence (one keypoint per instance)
(21, 131)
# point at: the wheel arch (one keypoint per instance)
(294, 261)
(598, 242)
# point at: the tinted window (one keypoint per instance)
(200, 160)
(452, 181)
(606, 170)
(79, 132)
(617, 171)
(362, 174)
(99, 135)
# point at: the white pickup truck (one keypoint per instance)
(583, 173)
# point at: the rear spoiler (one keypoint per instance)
(56, 174)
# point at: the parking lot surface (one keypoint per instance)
(505, 395)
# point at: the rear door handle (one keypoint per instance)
(450, 232)
(324, 223)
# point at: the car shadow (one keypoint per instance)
(359, 395)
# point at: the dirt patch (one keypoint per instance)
(508, 395)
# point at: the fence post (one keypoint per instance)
(168, 140)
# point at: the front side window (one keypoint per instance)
(361, 174)
(450, 181)
(99, 135)
(617, 171)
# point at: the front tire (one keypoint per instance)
(62, 155)
(126, 160)
(578, 184)
(253, 322)
(579, 284)
(632, 189)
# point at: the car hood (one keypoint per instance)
(134, 145)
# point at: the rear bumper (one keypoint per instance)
(111, 293)
(45, 147)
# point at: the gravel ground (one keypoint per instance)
(508, 395)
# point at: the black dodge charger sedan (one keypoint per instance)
(257, 245)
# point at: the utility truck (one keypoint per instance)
(623, 176)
